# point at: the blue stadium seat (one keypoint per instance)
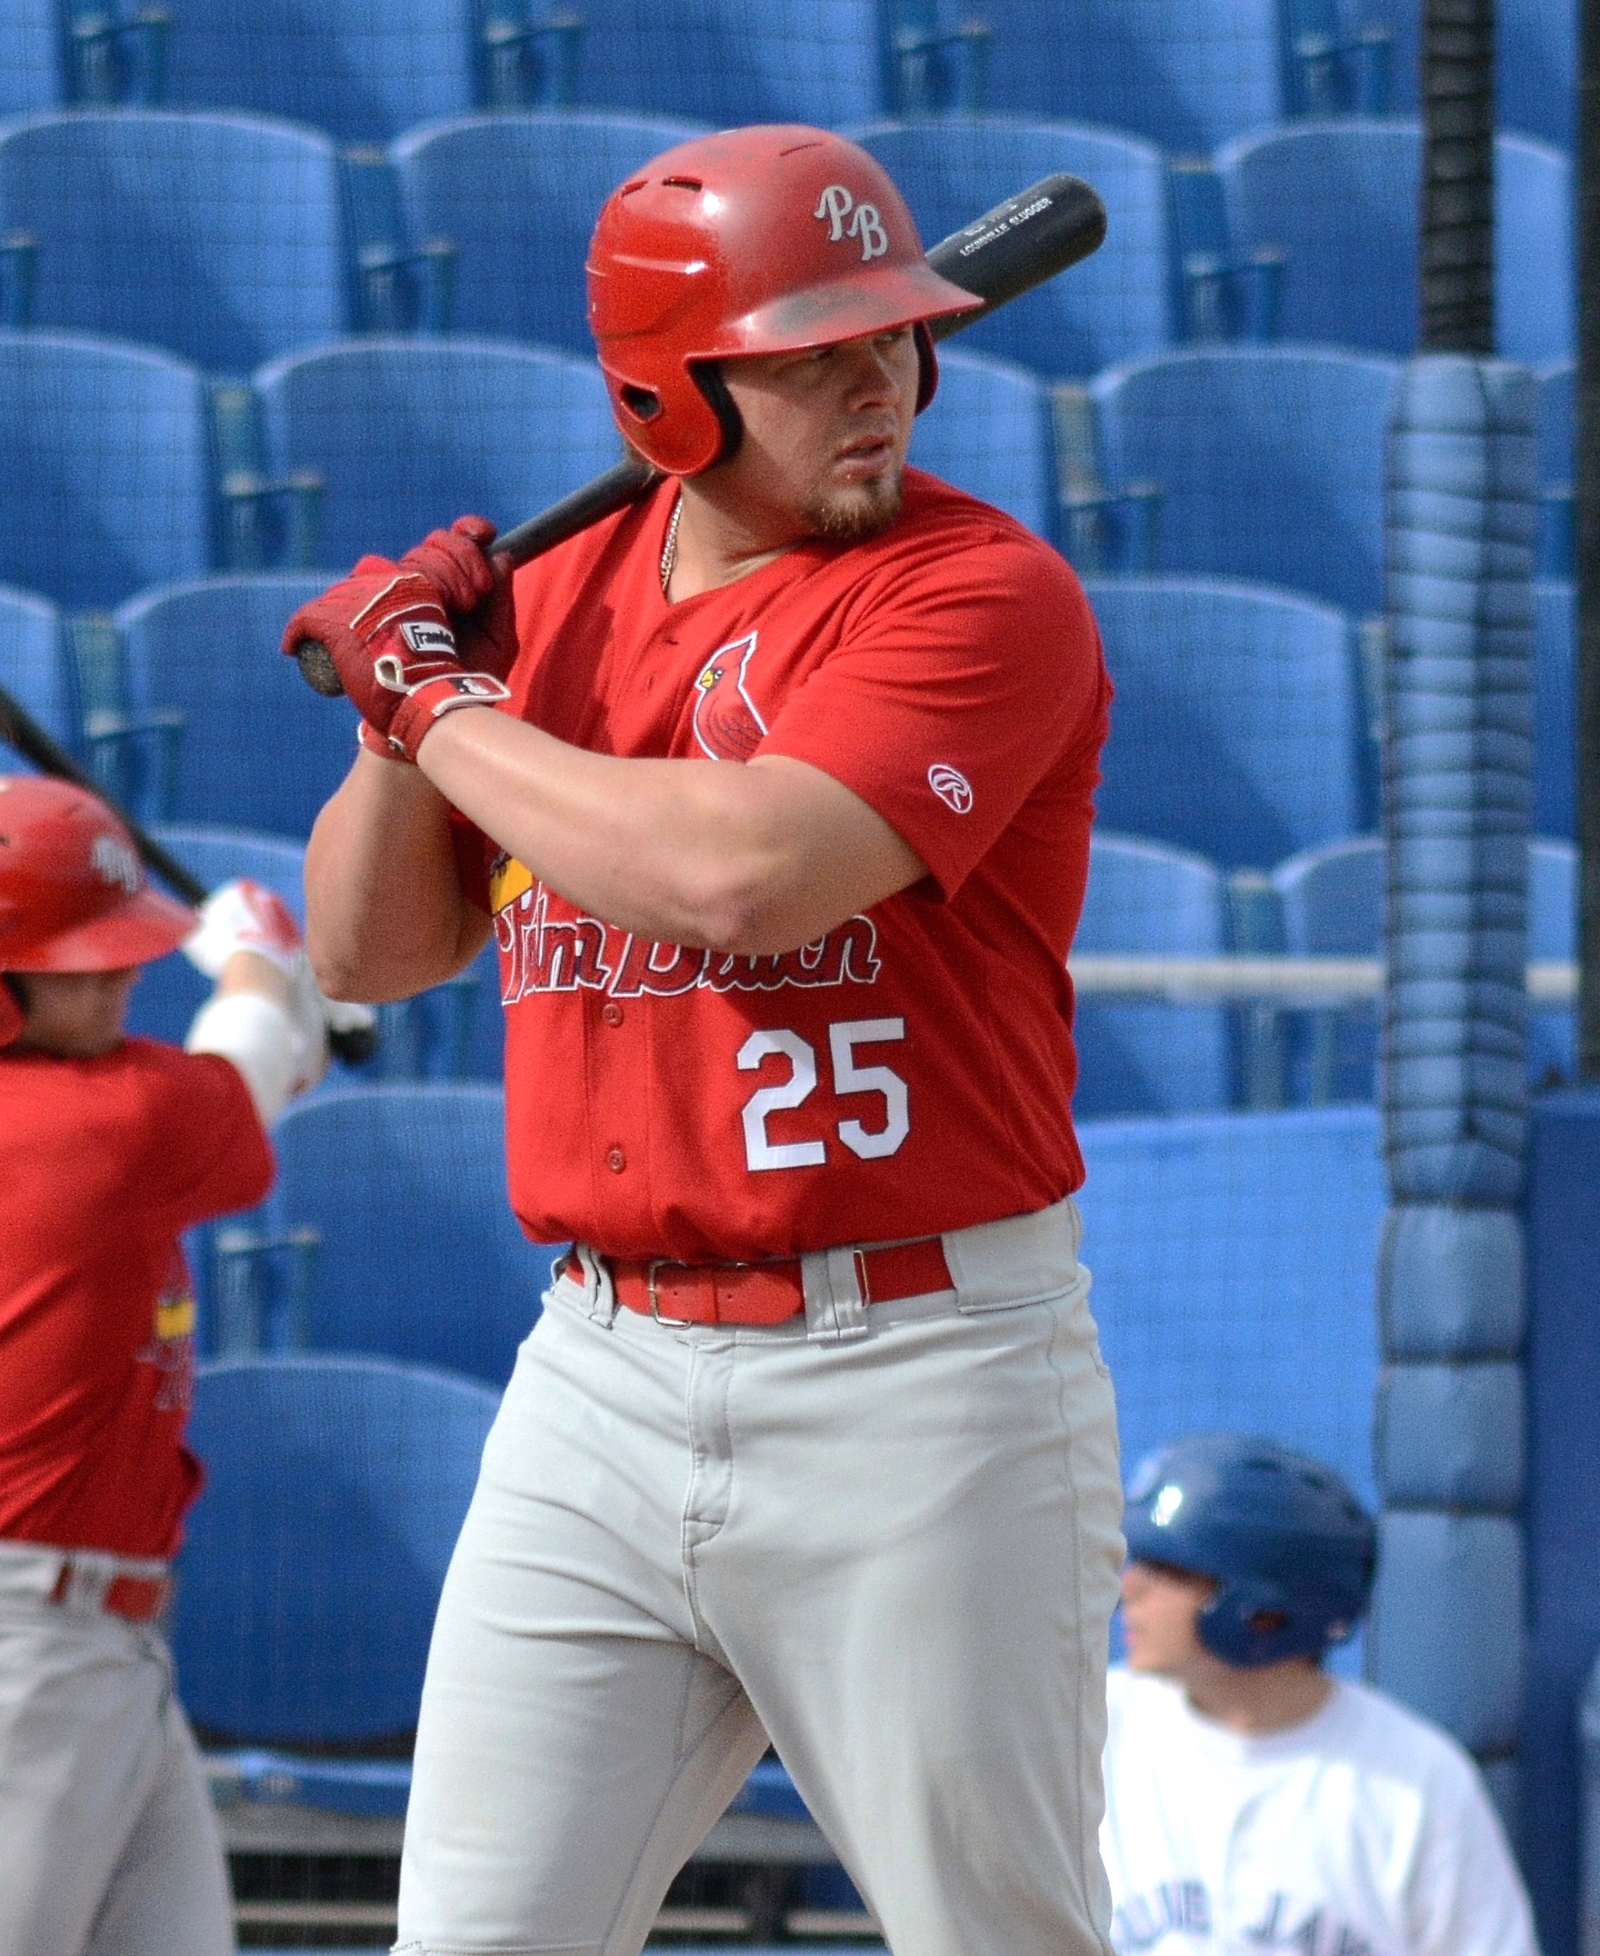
(1536, 68)
(104, 467)
(420, 1257)
(734, 61)
(259, 750)
(171, 991)
(1234, 1260)
(1333, 907)
(31, 75)
(988, 432)
(409, 434)
(1186, 74)
(1150, 1059)
(1116, 305)
(514, 191)
(1269, 461)
(1555, 638)
(1340, 199)
(34, 670)
(312, 1567)
(1237, 724)
(1557, 468)
(363, 70)
(455, 1031)
(218, 237)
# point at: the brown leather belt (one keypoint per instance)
(138, 1598)
(763, 1293)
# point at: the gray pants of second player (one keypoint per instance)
(108, 1844)
(887, 1538)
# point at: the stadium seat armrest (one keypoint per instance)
(265, 1283)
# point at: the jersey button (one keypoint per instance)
(616, 1160)
(611, 1012)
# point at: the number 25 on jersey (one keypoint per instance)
(870, 1143)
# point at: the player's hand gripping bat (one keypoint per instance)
(354, 1044)
(1054, 223)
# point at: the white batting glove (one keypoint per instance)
(244, 916)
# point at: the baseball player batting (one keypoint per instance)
(775, 792)
(1252, 1801)
(109, 1149)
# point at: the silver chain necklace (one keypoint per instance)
(669, 550)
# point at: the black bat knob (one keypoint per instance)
(317, 668)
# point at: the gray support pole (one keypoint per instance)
(1447, 1632)
(1457, 229)
(1587, 689)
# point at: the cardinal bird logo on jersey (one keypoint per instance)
(726, 722)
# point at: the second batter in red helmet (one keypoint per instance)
(73, 895)
(762, 240)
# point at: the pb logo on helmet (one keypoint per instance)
(845, 218)
(115, 863)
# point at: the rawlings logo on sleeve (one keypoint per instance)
(845, 218)
(548, 946)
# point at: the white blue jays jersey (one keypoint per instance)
(1363, 1831)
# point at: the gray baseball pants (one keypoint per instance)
(885, 1538)
(108, 1843)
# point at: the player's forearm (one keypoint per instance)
(385, 916)
(751, 859)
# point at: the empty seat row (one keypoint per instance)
(1263, 695)
(1257, 463)
(1185, 73)
(229, 239)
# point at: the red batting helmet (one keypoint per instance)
(763, 240)
(73, 895)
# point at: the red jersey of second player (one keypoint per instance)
(103, 1163)
(912, 1071)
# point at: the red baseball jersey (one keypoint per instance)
(102, 1163)
(912, 1071)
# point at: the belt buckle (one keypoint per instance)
(663, 1263)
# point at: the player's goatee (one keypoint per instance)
(853, 514)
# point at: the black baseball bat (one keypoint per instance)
(1053, 224)
(23, 732)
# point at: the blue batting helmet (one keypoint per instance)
(1292, 1549)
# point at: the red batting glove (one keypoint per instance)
(474, 588)
(395, 653)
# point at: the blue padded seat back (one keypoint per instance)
(218, 237)
(259, 749)
(1150, 1058)
(1340, 199)
(335, 1488)
(421, 1258)
(104, 467)
(362, 70)
(1555, 642)
(31, 78)
(171, 991)
(409, 434)
(1235, 1260)
(988, 431)
(519, 195)
(1184, 73)
(1557, 422)
(1236, 725)
(1115, 305)
(735, 61)
(1269, 461)
(34, 670)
